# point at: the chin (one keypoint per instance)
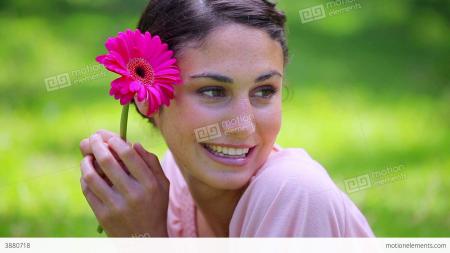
(227, 179)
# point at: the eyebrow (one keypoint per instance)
(225, 79)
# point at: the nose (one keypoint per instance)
(241, 122)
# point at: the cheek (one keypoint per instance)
(268, 130)
(182, 118)
(268, 123)
(191, 116)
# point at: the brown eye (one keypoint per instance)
(266, 91)
(212, 92)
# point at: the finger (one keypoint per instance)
(96, 183)
(101, 173)
(133, 161)
(99, 169)
(86, 150)
(116, 156)
(152, 162)
(84, 147)
(106, 134)
(110, 166)
(94, 202)
(84, 144)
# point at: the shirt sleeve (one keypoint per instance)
(293, 196)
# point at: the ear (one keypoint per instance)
(142, 106)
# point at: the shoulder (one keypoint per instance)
(292, 169)
(291, 195)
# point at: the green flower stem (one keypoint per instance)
(124, 122)
(123, 135)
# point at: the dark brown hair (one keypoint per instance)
(179, 22)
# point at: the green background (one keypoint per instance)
(367, 90)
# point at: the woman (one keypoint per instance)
(230, 182)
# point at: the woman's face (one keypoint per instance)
(233, 81)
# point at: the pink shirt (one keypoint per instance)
(291, 195)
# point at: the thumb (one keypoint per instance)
(153, 163)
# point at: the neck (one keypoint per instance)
(216, 205)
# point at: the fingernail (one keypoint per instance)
(95, 136)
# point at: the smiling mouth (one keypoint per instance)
(226, 151)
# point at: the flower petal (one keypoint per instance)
(142, 93)
(135, 86)
(132, 44)
(165, 64)
(126, 99)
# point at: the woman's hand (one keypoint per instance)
(125, 186)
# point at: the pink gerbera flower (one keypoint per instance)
(148, 69)
(148, 73)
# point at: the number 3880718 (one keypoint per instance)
(17, 245)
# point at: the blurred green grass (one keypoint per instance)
(366, 90)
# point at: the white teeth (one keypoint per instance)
(228, 151)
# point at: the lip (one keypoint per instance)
(231, 145)
(230, 161)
